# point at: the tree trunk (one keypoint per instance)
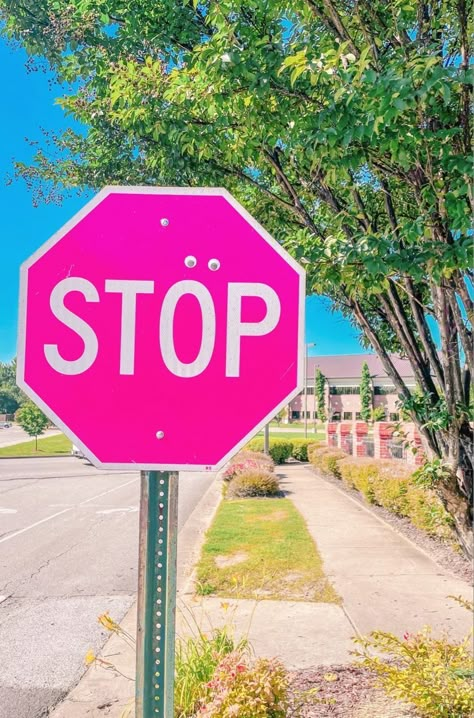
(460, 510)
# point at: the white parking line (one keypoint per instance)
(32, 526)
(58, 513)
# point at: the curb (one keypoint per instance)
(193, 533)
(30, 456)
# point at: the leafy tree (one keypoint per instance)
(11, 397)
(365, 393)
(344, 127)
(320, 390)
(281, 415)
(8, 402)
(32, 420)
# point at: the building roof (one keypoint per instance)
(349, 366)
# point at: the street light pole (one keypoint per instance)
(306, 391)
(306, 347)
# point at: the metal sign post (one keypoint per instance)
(157, 594)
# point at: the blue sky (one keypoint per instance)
(29, 106)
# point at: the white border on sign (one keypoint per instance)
(209, 191)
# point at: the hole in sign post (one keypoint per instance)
(129, 290)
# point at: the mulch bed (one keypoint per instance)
(342, 692)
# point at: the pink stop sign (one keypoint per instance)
(161, 328)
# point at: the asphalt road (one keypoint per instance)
(68, 552)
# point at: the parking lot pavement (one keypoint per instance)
(15, 435)
(68, 552)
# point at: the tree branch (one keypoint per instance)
(274, 161)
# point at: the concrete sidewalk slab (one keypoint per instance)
(300, 634)
(385, 581)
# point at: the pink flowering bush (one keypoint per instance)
(237, 468)
(247, 461)
(240, 689)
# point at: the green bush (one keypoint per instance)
(253, 482)
(246, 689)
(300, 448)
(280, 449)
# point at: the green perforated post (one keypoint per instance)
(157, 594)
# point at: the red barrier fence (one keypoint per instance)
(381, 440)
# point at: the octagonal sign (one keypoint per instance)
(161, 328)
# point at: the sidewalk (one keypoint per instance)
(385, 582)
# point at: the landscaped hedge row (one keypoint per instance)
(283, 449)
(389, 484)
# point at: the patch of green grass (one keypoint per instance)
(263, 550)
(318, 436)
(50, 445)
(296, 435)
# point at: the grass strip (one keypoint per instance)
(261, 548)
(50, 446)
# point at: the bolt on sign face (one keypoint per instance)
(161, 328)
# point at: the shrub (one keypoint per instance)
(432, 674)
(426, 512)
(247, 690)
(313, 448)
(381, 482)
(326, 459)
(390, 484)
(258, 456)
(300, 448)
(280, 449)
(253, 482)
(197, 658)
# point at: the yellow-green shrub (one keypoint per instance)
(253, 482)
(390, 484)
(313, 449)
(432, 674)
(381, 482)
(426, 512)
(326, 459)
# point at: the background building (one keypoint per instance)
(343, 376)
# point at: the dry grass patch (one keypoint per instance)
(282, 561)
